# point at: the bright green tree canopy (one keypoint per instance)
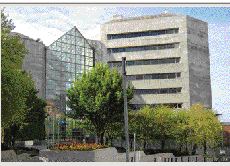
(98, 96)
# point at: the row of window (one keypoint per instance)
(145, 62)
(140, 106)
(143, 48)
(154, 76)
(140, 34)
(157, 91)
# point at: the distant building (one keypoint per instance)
(167, 58)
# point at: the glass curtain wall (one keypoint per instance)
(66, 59)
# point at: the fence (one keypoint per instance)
(177, 159)
(69, 131)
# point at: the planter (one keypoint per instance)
(99, 155)
(60, 156)
(11, 156)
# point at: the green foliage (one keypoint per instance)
(152, 123)
(35, 118)
(98, 97)
(6, 24)
(204, 126)
(196, 125)
(15, 83)
(20, 105)
(181, 126)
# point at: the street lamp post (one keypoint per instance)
(58, 132)
(48, 130)
(53, 131)
(134, 147)
(125, 108)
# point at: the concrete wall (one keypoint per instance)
(100, 51)
(34, 62)
(199, 62)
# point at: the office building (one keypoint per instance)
(167, 58)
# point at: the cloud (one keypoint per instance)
(47, 35)
(93, 33)
(52, 24)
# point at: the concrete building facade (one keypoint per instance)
(167, 58)
(34, 62)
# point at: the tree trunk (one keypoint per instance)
(194, 149)
(180, 147)
(14, 133)
(162, 144)
(101, 138)
(131, 144)
(98, 138)
(111, 140)
(205, 146)
(7, 137)
(144, 143)
(186, 149)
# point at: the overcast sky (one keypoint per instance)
(49, 23)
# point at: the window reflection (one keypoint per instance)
(139, 34)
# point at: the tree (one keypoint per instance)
(32, 126)
(196, 126)
(98, 97)
(181, 127)
(161, 118)
(141, 124)
(35, 117)
(15, 83)
(114, 130)
(204, 126)
(154, 123)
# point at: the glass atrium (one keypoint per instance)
(66, 59)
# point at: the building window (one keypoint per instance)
(139, 77)
(147, 77)
(139, 63)
(171, 75)
(140, 106)
(140, 34)
(130, 63)
(146, 62)
(172, 90)
(158, 91)
(143, 48)
(163, 91)
(154, 76)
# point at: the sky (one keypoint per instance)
(49, 21)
